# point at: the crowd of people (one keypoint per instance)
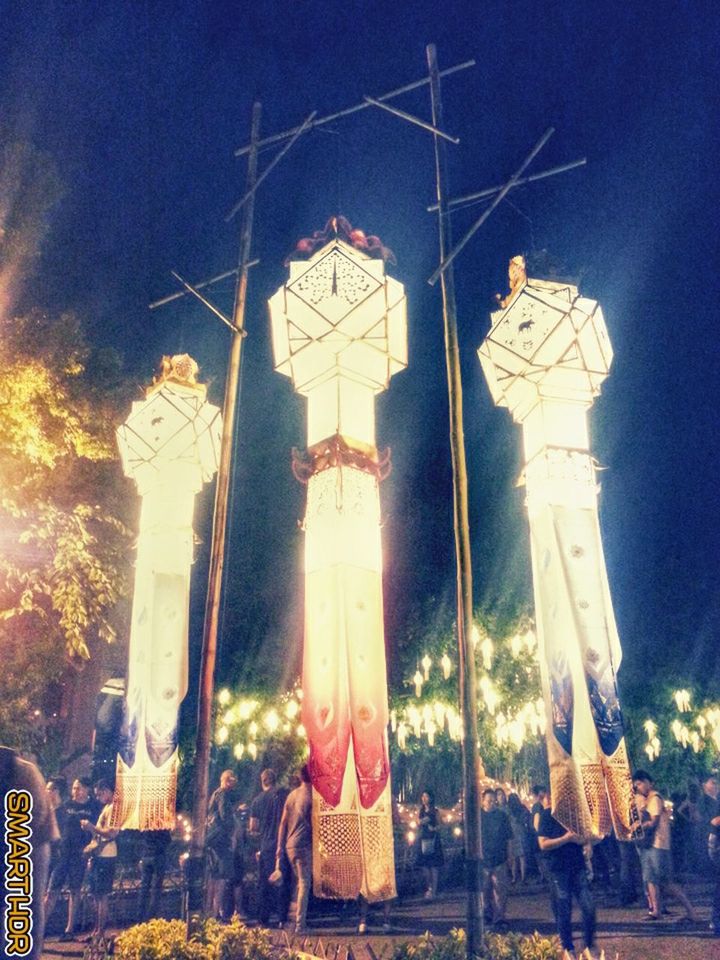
(76, 844)
(516, 836)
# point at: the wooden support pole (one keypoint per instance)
(466, 672)
(277, 137)
(217, 556)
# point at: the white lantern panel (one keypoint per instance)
(555, 424)
(341, 405)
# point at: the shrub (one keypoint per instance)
(511, 946)
(165, 940)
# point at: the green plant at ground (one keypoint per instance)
(166, 940)
(510, 946)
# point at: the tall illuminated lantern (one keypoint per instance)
(170, 446)
(544, 359)
(339, 332)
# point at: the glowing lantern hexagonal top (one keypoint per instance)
(339, 331)
(549, 343)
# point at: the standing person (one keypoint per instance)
(520, 847)
(501, 800)
(20, 776)
(57, 795)
(566, 868)
(220, 841)
(656, 859)
(496, 840)
(153, 864)
(71, 861)
(430, 857)
(266, 813)
(711, 808)
(295, 843)
(103, 850)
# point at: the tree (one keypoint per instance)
(64, 545)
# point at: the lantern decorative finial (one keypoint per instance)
(517, 278)
(338, 227)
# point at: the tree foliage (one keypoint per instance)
(64, 543)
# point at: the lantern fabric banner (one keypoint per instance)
(580, 652)
(345, 710)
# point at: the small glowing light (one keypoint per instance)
(252, 750)
(457, 831)
(291, 710)
(222, 735)
(410, 836)
(239, 750)
(446, 665)
(682, 700)
(301, 731)
(516, 645)
(426, 664)
(418, 681)
(475, 635)
(430, 729)
(224, 697)
(393, 720)
(402, 735)
(272, 721)
(650, 728)
(253, 729)
(486, 649)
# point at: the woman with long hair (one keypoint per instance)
(430, 856)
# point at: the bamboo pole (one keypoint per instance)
(217, 557)
(284, 134)
(466, 673)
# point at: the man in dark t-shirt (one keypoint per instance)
(70, 864)
(496, 838)
(565, 861)
(265, 815)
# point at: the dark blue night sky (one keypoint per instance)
(142, 105)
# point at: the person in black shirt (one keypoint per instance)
(565, 861)
(496, 839)
(265, 815)
(220, 841)
(430, 854)
(71, 862)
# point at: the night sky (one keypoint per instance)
(141, 106)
